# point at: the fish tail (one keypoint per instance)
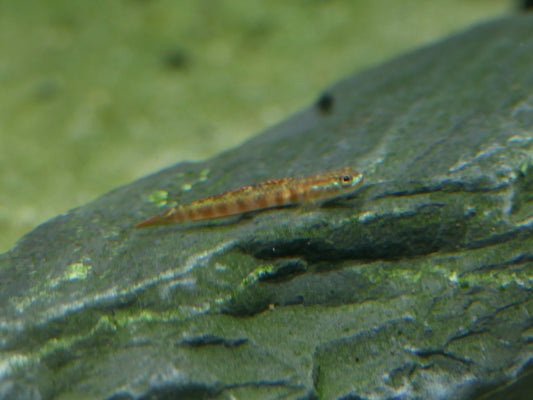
(176, 214)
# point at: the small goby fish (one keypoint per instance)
(313, 189)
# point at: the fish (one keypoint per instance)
(307, 190)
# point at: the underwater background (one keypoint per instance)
(96, 94)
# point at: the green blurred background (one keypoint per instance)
(95, 94)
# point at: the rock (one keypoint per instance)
(418, 286)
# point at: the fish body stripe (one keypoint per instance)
(287, 191)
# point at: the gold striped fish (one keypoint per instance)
(313, 189)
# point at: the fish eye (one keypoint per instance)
(346, 178)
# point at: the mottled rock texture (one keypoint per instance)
(419, 286)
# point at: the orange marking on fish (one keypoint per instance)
(278, 192)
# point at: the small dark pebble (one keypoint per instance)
(177, 59)
(47, 90)
(525, 5)
(325, 103)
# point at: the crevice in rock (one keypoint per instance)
(212, 340)
(439, 352)
(385, 238)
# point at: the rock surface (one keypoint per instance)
(417, 287)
